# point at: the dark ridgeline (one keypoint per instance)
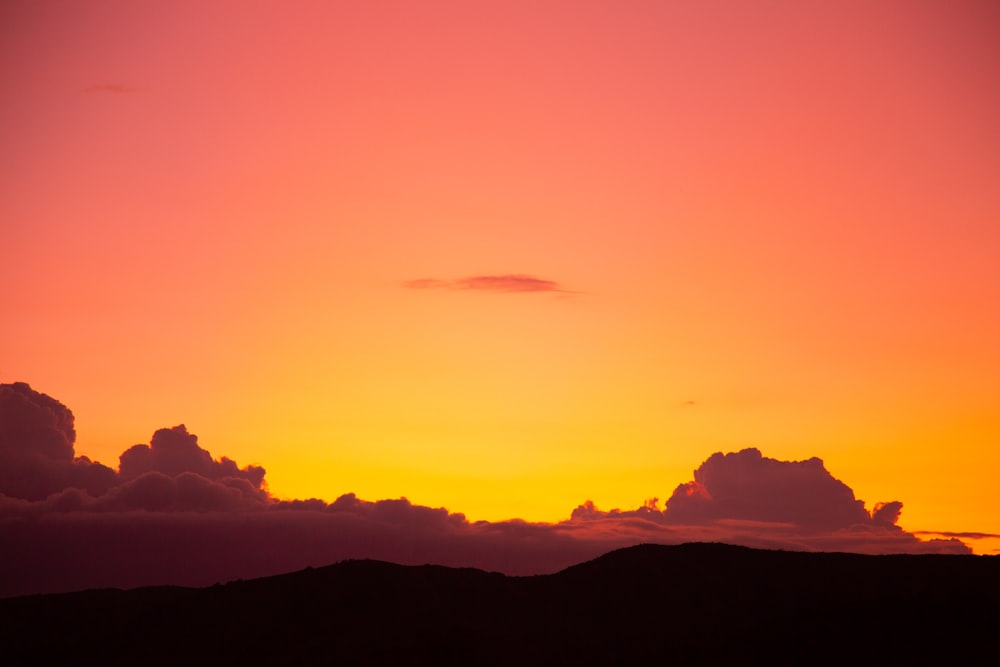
(688, 604)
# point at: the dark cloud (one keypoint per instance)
(33, 421)
(36, 448)
(501, 283)
(972, 535)
(745, 498)
(747, 485)
(887, 514)
(174, 451)
(173, 514)
(37, 463)
(746, 489)
(71, 551)
(110, 89)
(186, 492)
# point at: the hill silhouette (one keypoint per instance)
(699, 602)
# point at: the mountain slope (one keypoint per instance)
(687, 603)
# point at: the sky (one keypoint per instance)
(506, 258)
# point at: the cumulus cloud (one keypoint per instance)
(747, 485)
(745, 488)
(173, 451)
(747, 499)
(499, 283)
(887, 514)
(37, 463)
(185, 492)
(36, 448)
(173, 514)
(35, 421)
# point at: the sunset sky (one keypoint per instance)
(507, 257)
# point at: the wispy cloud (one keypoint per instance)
(110, 89)
(509, 282)
(965, 535)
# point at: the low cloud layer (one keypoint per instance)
(172, 514)
(500, 283)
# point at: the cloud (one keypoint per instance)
(186, 492)
(747, 499)
(887, 514)
(110, 89)
(37, 463)
(500, 283)
(172, 514)
(36, 448)
(33, 421)
(962, 534)
(173, 451)
(747, 485)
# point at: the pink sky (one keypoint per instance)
(731, 225)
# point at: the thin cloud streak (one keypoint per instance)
(510, 282)
(110, 89)
(969, 535)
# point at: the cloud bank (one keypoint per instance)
(501, 283)
(172, 514)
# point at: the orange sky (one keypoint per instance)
(775, 225)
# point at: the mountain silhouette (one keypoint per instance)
(648, 604)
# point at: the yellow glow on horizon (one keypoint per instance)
(775, 228)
